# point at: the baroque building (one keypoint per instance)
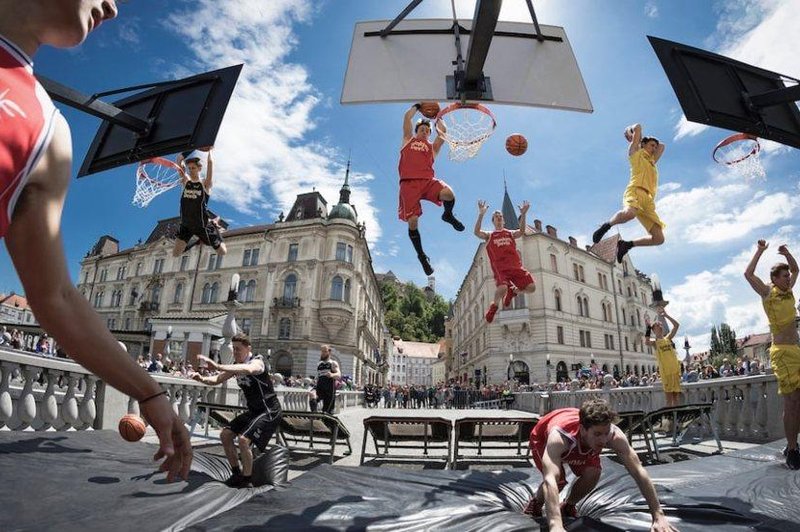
(305, 280)
(586, 309)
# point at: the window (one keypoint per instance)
(553, 263)
(98, 299)
(86, 277)
(560, 334)
(214, 292)
(250, 257)
(611, 341)
(580, 272)
(624, 319)
(246, 258)
(120, 273)
(245, 324)
(347, 291)
(250, 291)
(289, 287)
(638, 318)
(605, 340)
(285, 329)
(184, 263)
(619, 285)
(586, 306)
(575, 272)
(582, 338)
(557, 294)
(629, 292)
(292, 252)
(214, 261)
(178, 297)
(206, 297)
(112, 323)
(138, 268)
(158, 265)
(337, 288)
(127, 324)
(103, 274)
(580, 304)
(134, 294)
(626, 343)
(341, 251)
(155, 294)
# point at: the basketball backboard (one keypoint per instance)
(719, 91)
(415, 61)
(182, 115)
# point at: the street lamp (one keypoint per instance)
(510, 363)
(547, 364)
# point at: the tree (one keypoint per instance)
(716, 347)
(412, 315)
(727, 339)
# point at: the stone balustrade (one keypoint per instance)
(745, 408)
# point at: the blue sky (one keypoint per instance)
(286, 132)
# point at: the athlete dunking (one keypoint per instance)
(35, 168)
(639, 200)
(196, 219)
(577, 437)
(669, 368)
(509, 275)
(263, 415)
(784, 353)
(417, 181)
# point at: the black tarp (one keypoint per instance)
(94, 480)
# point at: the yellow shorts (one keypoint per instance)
(645, 206)
(785, 362)
(671, 382)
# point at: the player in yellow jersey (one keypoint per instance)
(784, 354)
(639, 200)
(669, 368)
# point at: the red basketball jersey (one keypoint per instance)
(416, 160)
(567, 422)
(502, 251)
(26, 126)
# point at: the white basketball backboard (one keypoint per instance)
(412, 67)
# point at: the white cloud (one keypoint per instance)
(448, 278)
(651, 9)
(684, 128)
(668, 187)
(262, 149)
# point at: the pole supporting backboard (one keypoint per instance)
(487, 12)
(770, 98)
(409, 8)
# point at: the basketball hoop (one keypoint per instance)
(465, 127)
(741, 152)
(153, 177)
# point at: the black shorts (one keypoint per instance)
(208, 235)
(257, 427)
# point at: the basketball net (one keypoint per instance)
(741, 153)
(465, 127)
(153, 177)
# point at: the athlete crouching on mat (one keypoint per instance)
(509, 275)
(784, 354)
(576, 437)
(669, 368)
(196, 219)
(35, 168)
(259, 423)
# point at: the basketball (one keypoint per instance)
(629, 134)
(429, 109)
(516, 144)
(131, 427)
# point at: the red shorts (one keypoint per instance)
(537, 451)
(413, 191)
(519, 277)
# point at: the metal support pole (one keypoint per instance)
(409, 8)
(775, 97)
(539, 35)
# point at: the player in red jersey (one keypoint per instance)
(509, 275)
(35, 166)
(577, 437)
(417, 181)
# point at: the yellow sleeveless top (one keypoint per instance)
(779, 306)
(644, 173)
(667, 356)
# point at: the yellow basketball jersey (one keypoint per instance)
(667, 356)
(780, 309)
(644, 173)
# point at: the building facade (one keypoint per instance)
(412, 363)
(305, 280)
(586, 308)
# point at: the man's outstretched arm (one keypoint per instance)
(750, 272)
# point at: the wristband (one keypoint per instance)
(418, 106)
(143, 401)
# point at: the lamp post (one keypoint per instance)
(547, 366)
(510, 369)
(229, 328)
(168, 340)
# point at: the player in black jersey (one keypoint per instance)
(327, 375)
(259, 423)
(196, 219)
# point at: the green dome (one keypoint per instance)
(344, 211)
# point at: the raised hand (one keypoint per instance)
(524, 207)
(482, 207)
(783, 250)
(762, 245)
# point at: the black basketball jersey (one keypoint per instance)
(259, 393)
(324, 381)
(194, 204)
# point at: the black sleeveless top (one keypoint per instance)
(324, 381)
(194, 204)
(258, 391)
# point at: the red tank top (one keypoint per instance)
(502, 251)
(26, 126)
(416, 160)
(567, 422)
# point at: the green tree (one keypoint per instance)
(727, 339)
(715, 348)
(412, 313)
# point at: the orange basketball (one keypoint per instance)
(131, 427)
(429, 109)
(516, 144)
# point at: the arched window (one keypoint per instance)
(557, 294)
(284, 364)
(285, 329)
(638, 318)
(240, 290)
(155, 294)
(206, 297)
(586, 306)
(347, 291)
(250, 293)
(337, 288)
(134, 294)
(289, 288)
(561, 372)
(178, 293)
(214, 292)
(580, 305)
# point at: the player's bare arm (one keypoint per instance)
(523, 212)
(635, 131)
(659, 151)
(212, 380)
(750, 272)
(790, 260)
(551, 466)
(335, 371)
(254, 367)
(208, 183)
(407, 129)
(439, 141)
(619, 444)
(480, 233)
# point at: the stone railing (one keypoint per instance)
(42, 393)
(745, 408)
